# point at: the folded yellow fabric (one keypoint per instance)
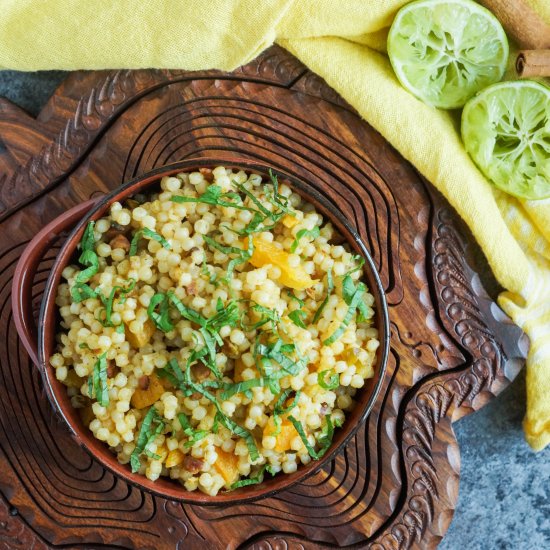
(344, 42)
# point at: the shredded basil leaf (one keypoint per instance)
(324, 441)
(174, 375)
(276, 198)
(296, 317)
(242, 387)
(243, 255)
(88, 258)
(150, 234)
(348, 291)
(82, 291)
(263, 210)
(109, 302)
(258, 478)
(239, 431)
(330, 288)
(186, 312)
(146, 436)
(214, 196)
(355, 301)
(193, 434)
(276, 353)
(279, 409)
(88, 240)
(361, 261)
(333, 381)
(227, 422)
(162, 318)
(97, 382)
(291, 295)
(268, 315)
(313, 233)
(226, 315)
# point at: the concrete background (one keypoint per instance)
(504, 500)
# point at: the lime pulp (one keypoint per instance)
(506, 131)
(444, 51)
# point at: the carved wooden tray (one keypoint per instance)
(452, 349)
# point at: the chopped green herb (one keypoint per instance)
(263, 210)
(313, 233)
(83, 345)
(88, 258)
(227, 315)
(243, 255)
(296, 317)
(88, 240)
(97, 382)
(174, 375)
(205, 270)
(162, 318)
(109, 302)
(189, 431)
(348, 291)
(150, 234)
(256, 225)
(258, 478)
(355, 301)
(210, 358)
(267, 315)
(186, 312)
(82, 291)
(276, 198)
(146, 436)
(277, 353)
(227, 422)
(327, 434)
(242, 387)
(361, 261)
(214, 196)
(291, 295)
(279, 409)
(333, 381)
(330, 288)
(239, 431)
(325, 440)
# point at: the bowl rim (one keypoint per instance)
(101, 453)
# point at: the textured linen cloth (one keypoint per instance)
(344, 42)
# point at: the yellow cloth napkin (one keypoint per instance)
(344, 42)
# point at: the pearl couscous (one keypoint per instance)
(215, 330)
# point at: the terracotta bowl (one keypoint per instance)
(39, 340)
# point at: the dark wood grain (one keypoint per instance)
(452, 349)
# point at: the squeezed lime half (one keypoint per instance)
(506, 130)
(444, 51)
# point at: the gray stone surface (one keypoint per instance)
(504, 500)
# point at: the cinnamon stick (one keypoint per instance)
(532, 63)
(521, 22)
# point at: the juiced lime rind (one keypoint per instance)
(506, 131)
(418, 37)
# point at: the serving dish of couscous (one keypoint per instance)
(214, 330)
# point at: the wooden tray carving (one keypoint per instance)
(452, 349)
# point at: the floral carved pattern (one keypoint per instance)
(434, 402)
